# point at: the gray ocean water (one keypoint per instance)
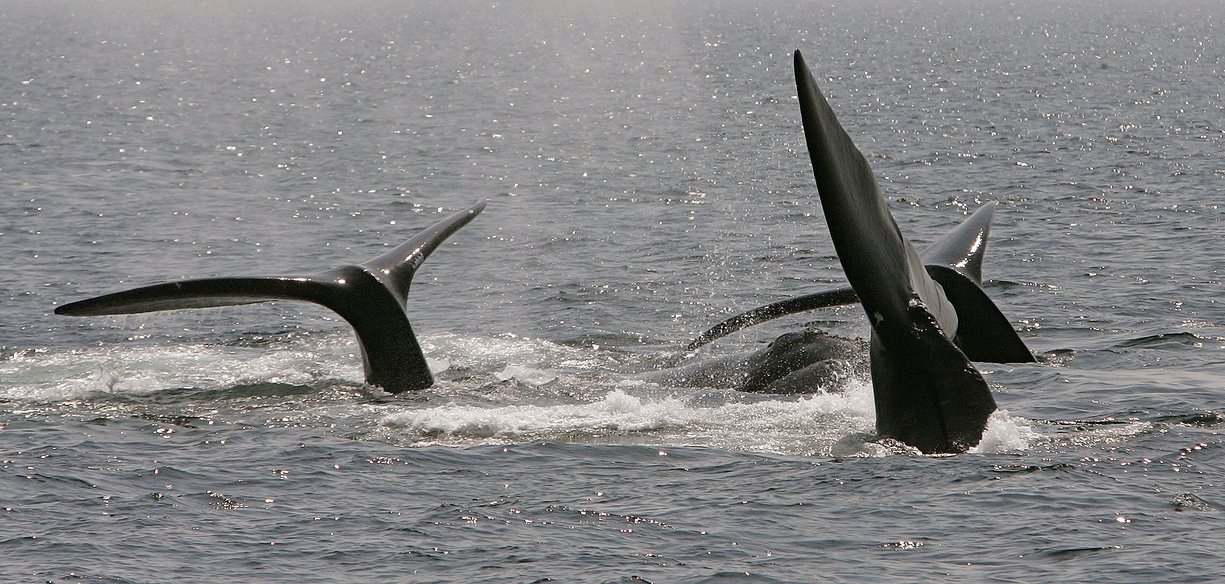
(646, 178)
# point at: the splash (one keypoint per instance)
(617, 411)
(806, 425)
(527, 375)
(1005, 433)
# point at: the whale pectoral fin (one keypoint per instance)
(397, 267)
(826, 299)
(200, 293)
(983, 332)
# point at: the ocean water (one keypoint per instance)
(646, 177)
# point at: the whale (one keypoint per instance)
(371, 296)
(955, 261)
(811, 361)
(928, 313)
(797, 362)
(926, 391)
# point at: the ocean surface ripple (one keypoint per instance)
(646, 177)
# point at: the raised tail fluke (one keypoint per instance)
(400, 264)
(371, 297)
(964, 246)
(955, 261)
(927, 393)
(200, 293)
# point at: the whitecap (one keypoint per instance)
(1005, 433)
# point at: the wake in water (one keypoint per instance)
(799, 426)
(496, 390)
(127, 371)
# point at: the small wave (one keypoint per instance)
(1082, 434)
(1205, 419)
(1075, 553)
(527, 375)
(1162, 341)
(1191, 502)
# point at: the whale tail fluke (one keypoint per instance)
(963, 247)
(371, 297)
(927, 392)
(197, 293)
(399, 265)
